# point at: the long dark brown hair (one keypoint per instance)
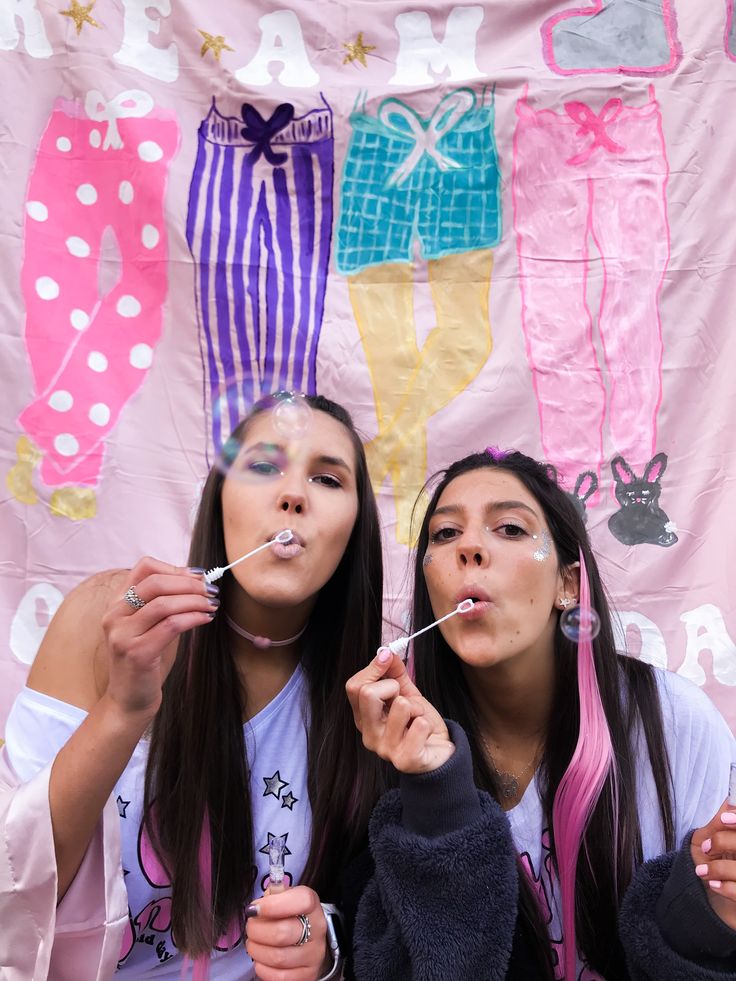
(197, 775)
(612, 845)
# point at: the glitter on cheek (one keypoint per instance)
(427, 558)
(545, 549)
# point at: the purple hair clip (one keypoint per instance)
(496, 454)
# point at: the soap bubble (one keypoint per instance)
(269, 459)
(579, 624)
(292, 415)
(252, 464)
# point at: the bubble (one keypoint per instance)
(579, 624)
(279, 446)
(252, 464)
(292, 416)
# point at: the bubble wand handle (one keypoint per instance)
(732, 787)
(219, 571)
(276, 849)
(400, 645)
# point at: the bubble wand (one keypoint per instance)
(276, 849)
(401, 645)
(219, 571)
(732, 787)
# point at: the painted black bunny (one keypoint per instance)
(585, 486)
(640, 520)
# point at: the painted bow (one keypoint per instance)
(595, 125)
(261, 131)
(426, 135)
(131, 103)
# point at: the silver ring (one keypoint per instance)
(306, 930)
(133, 599)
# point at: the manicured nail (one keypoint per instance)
(195, 570)
(728, 817)
(715, 883)
(251, 910)
(706, 846)
(212, 590)
(214, 601)
(701, 870)
(384, 655)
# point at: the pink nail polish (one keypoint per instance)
(715, 883)
(728, 817)
(701, 870)
(384, 655)
(706, 846)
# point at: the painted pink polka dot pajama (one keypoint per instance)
(90, 353)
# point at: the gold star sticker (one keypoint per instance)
(357, 50)
(80, 14)
(214, 43)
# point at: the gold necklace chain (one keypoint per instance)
(508, 782)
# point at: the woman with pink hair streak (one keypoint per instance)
(548, 786)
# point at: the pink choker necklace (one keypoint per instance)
(263, 642)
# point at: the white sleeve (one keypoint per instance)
(37, 727)
(701, 748)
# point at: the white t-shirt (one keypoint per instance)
(700, 747)
(276, 746)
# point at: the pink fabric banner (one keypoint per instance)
(472, 223)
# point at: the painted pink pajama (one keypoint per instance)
(101, 166)
(582, 178)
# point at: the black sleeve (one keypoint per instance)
(442, 902)
(668, 928)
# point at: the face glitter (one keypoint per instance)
(544, 550)
(427, 558)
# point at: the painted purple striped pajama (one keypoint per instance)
(259, 226)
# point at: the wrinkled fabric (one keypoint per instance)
(80, 938)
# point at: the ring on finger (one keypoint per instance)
(306, 930)
(133, 599)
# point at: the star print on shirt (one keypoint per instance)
(274, 785)
(122, 806)
(288, 800)
(265, 851)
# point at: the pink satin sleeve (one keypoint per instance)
(81, 937)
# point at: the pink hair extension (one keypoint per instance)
(582, 782)
(201, 966)
(496, 454)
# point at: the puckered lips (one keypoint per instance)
(289, 550)
(481, 601)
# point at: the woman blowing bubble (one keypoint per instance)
(173, 732)
(536, 834)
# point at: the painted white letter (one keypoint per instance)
(37, 44)
(419, 50)
(706, 631)
(281, 40)
(136, 50)
(652, 648)
(33, 615)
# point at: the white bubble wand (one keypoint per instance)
(219, 571)
(400, 646)
(276, 850)
(732, 787)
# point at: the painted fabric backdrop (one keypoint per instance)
(473, 223)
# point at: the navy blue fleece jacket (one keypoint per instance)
(440, 903)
